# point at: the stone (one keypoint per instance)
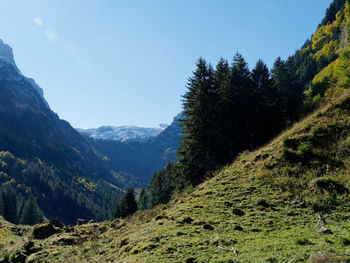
(81, 221)
(208, 227)
(263, 203)
(324, 230)
(238, 212)
(187, 220)
(238, 228)
(45, 230)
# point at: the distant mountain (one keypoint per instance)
(123, 133)
(141, 158)
(44, 155)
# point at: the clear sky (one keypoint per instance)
(123, 62)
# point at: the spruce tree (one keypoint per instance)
(163, 184)
(287, 82)
(269, 118)
(126, 206)
(196, 151)
(143, 202)
(10, 204)
(31, 214)
(2, 205)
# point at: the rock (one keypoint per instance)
(56, 223)
(28, 246)
(228, 204)
(190, 260)
(187, 220)
(81, 221)
(303, 204)
(238, 228)
(238, 212)
(255, 230)
(65, 241)
(263, 203)
(208, 227)
(18, 257)
(324, 230)
(159, 218)
(44, 230)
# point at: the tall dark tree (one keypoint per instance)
(269, 114)
(31, 214)
(237, 100)
(126, 206)
(143, 201)
(10, 204)
(196, 153)
(2, 205)
(163, 185)
(288, 85)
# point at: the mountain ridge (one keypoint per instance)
(123, 133)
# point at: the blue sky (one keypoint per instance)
(114, 62)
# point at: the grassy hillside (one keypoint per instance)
(286, 202)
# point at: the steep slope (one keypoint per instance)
(141, 159)
(45, 155)
(264, 207)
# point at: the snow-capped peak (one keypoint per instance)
(123, 133)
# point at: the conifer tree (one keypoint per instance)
(289, 87)
(269, 114)
(10, 204)
(31, 214)
(163, 184)
(126, 206)
(2, 205)
(196, 154)
(143, 202)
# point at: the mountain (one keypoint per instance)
(287, 201)
(43, 155)
(123, 133)
(140, 158)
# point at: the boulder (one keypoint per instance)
(45, 230)
(81, 221)
(238, 212)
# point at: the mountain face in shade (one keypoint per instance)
(123, 133)
(141, 158)
(63, 164)
(6, 56)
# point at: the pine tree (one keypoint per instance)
(196, 151)
(126, 206)
(287, 83)
(31, 214)
(2, 205)
(143, 202)
(237, 102)
(163, 184)
(10, 204)
(269, 118)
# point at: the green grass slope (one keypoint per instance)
(285, 202)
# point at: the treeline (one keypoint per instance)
(227, 110)
(57, 194)
(17, 208)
